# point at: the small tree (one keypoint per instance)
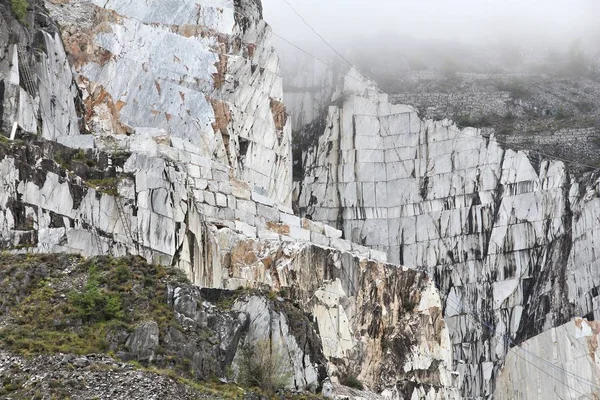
(94, 304)
(263, 364)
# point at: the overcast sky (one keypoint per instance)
(455, 20)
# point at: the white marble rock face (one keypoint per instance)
(559, 363)
(194, 98)
(192, 72)
(510, 241)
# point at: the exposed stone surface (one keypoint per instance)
(508, 238)
(94, 376)
(199, 177)
(38, 90)
(188, 164)
(205, 74)
(559, 363)
(143, 341)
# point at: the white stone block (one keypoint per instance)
(201, 184)
(225, 187)
(361, 251)
(331, 232)
(213, 186)
(259, 198)
(245, 229)
(245, 217)
(194, 171)
(199, 195)
(312, 226)
(266, 234)
(240, 189)
(319, 239)
(210, 211)
(209, 197)
(378, 256)
(299, 233)
(221, 200)
(246, 206)
(231, 201)
(269, 213)
(290, 220)
(341, 244)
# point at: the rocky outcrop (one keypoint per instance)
(561, 362)
(204, 74)
(38, 92)
(105, 378)
(507, 237)
(186, 162)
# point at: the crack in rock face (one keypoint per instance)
(165, 135)
(503, 238)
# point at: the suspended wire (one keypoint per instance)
(587, 166)
(319, 35)
(489, 327)
(473, 317)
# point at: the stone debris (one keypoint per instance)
(92, 376)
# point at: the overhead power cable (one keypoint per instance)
(489, 327)
(587, 166)
(506, 339)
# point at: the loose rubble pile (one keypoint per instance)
(86, 377)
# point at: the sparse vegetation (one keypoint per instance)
(78, 320)
(105, 185)
(19, 9)
(94, 304)
(352, 382)
(264, 365)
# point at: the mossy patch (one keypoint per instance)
(19, 9)
(106, 185)
(49, 317)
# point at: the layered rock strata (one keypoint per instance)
(508, 238)
(186, 162)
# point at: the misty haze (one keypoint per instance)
(519, 67)
(300, 199)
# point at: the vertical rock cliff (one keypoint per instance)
(508, 238)
(158, 130)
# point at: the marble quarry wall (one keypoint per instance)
(167, 138)
(205, 74)
(379, 322)
(559, 363)
(510, 240)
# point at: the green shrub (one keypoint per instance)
(19, 9)
(263, 365)
(94, 304)
(352, 382)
